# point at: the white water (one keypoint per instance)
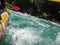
(58, 38)
(28, 30)
(24, 36)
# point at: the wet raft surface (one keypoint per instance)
(24, 29)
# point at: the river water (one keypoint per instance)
(24, 29)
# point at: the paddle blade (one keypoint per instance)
(16, 8)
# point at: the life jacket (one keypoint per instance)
(4, 18)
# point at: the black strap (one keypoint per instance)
(0, 17)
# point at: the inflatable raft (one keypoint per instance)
(55, 1)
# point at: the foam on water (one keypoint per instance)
(24, 36)
(58, 38)
(27, 36)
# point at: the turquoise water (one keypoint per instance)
(24, 29)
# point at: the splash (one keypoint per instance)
(58, 38)
(24, 36)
